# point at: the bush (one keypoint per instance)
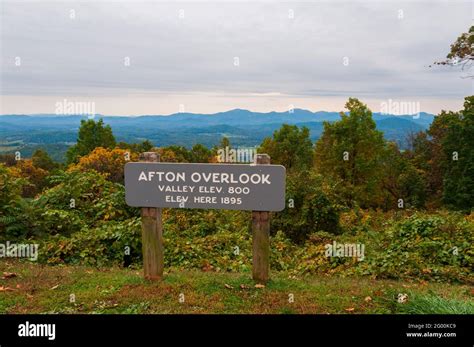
(14, 211)
(100, 246)
(310, 209)
(35, 176)
(110, 162)
(80, 200)
(419, 247)
(423, 246)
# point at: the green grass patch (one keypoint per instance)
(434, 304)
(37, 288)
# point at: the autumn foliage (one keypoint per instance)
(35, 176)
(110, 162)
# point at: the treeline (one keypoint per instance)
(351, 166)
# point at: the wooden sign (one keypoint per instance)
(207, 186)
(152, 185)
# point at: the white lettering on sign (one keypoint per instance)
(178, 199)
(168, 176)
(205, 199)
(202, 185)
(176, 189)
(210, 177)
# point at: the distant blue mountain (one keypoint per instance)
(232, 117)
(243, 127)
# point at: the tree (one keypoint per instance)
(41, 159)
(200, 154)
(174, 154)
(145, 146)
(424, 159)
(351, 152)
(461, 51)
(438, 161)
(458, 149)
(225, 142)
(290, 146)
(401, 180)
(444, 154)
(91, 135)
(312, 208)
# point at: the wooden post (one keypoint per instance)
(152, 233)
(261, 237)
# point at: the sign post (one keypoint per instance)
(152, 233)
(261, 237)
(152, 185)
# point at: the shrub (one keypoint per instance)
(100, 246)
(79, 200)
(35, 176)
(110, 162)
(14, 220)
(313, 209)
(423, 246)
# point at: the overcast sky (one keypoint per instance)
(312, 55)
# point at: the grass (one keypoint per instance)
(432, 304)
(40, 288)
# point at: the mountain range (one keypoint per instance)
(244, 128)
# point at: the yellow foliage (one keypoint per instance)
(35, 176)
(107, 161)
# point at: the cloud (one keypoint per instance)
(190, 48)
